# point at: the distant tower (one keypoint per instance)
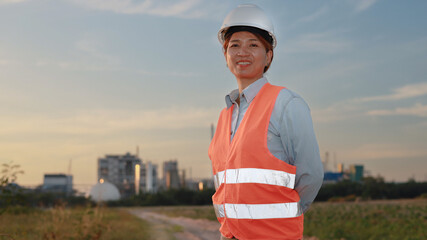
(326, 162)
(335, 161)
(340, 167)
(183, 178)
(137, 178)
(150, 177)
(170, 174)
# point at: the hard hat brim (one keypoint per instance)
(223, 31)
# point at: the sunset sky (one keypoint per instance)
(83, 78)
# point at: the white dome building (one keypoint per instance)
(104, 191)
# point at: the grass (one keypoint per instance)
(76, 223)
(393, 219)
(177, 228)
(195, 212)
(399, 219)
(389, 219)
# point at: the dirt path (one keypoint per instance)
(180, 228)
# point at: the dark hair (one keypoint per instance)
(262, 35)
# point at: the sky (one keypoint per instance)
(80, 79)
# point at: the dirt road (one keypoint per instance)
(180, 228)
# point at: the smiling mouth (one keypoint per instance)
(243, 63)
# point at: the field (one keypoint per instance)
(400, 219)
(66, 224)
(391, 219)
(388, 219)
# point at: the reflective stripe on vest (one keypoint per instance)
(255, 175)
(258, 211)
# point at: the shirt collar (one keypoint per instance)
(248, 93)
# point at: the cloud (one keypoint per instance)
(408, 91)
(92, 48)
(12, 97)
(375, 151)
(4, 62)
(85, 135)
(362, 5)
(4, 2)
(80, 65)
(353, 108)
(87, 55)
(317, 14)
(181, 9)
(326, 42)
(417, 130)
(418, 109)
(415, 47)
(337, 112)
(106, 121)
(168, 73)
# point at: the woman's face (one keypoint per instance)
(246, 56)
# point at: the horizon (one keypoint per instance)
(83, 79)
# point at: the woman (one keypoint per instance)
(265, 157)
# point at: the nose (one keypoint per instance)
(243, 51)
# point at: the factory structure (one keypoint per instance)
(132, 176)
(336, 173)
(171, 178)
(122, 176)
(58, 183)
(128, 173)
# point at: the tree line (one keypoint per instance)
(367, 189)
(371, 188)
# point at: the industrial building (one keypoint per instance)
(58, 183)
(132, 176)
(150, 177)
(171, 177)
(128, 173)
(355, 172)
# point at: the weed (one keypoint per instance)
(177, 228)
(65, 223)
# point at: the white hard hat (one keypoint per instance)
(248, 15)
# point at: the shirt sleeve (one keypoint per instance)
(296, 131)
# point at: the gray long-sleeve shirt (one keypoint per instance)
(290, 136)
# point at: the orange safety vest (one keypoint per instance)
(255, 196)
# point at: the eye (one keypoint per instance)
(253, 45)
(233, 45)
